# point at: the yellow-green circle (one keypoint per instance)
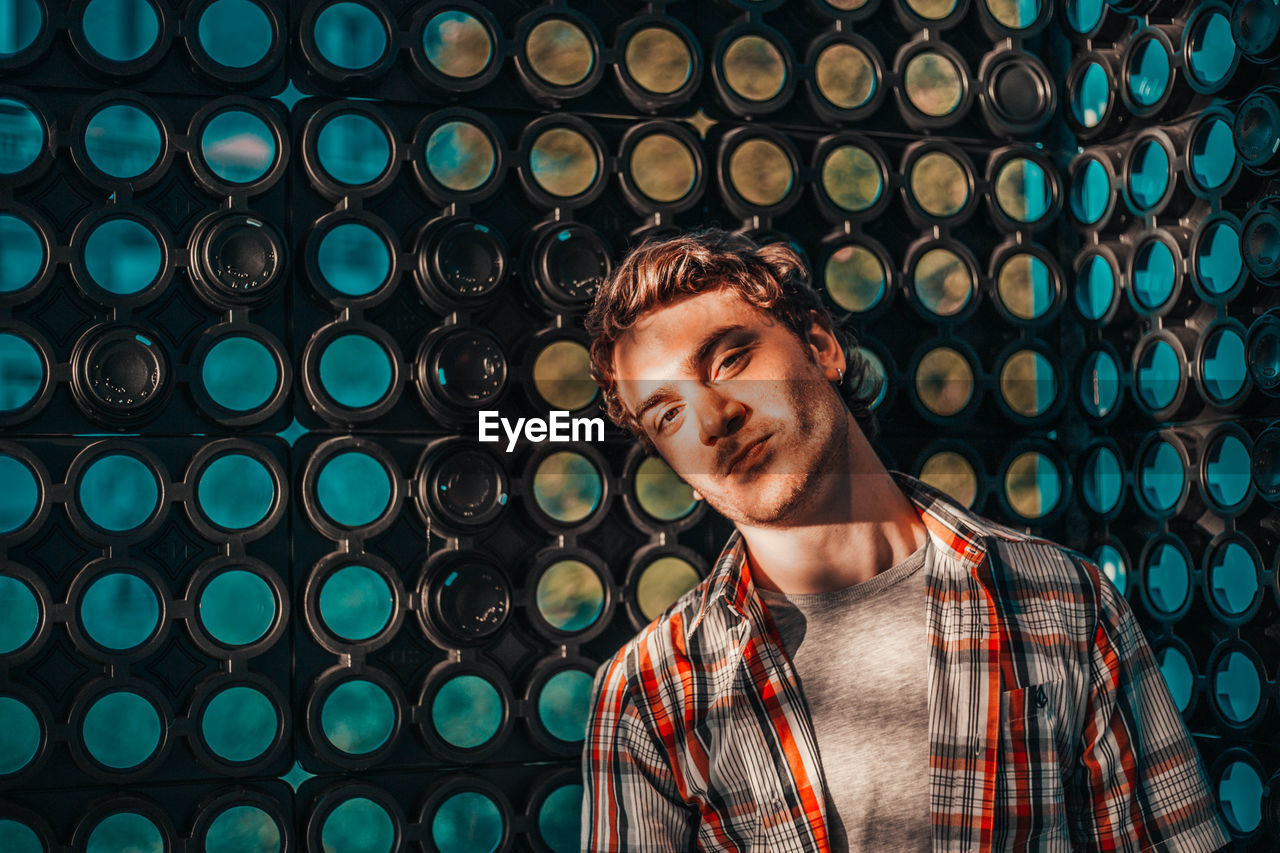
(663, 168)
(563, 162)
(1027, 383)
(567, 486)
(952, 474)
(939, 184)
(660, 492)
(559, 52)
(855, 278)
(570, 595)
(562, 375)
(933, 84)
(658, 60)
(662, 582)
(943, 282)
(852, 177)
(754, 68)
(944, 381)
(845, 75)
(760, 172)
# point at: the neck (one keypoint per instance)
(860, 526)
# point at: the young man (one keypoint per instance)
(869, 665)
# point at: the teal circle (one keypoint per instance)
(1211, 48)
(1034, 191)
(235, 33)
(125, 832)
(350, 36)
(560, 818)
(1099, 384)
(1149, 174)
(242, 829)
(1158, 375)
(1154, 273)
(238, 146)
(1233, 578)
(1090, 192)
(1103, 480)
(1095, 288)
(1178, 674)
(240, 373)
(17, 837)
(358, 716)
(1084, 15)
(1227, 471)
(1113, 565)
(1089, 100)
(1237, 687)
(563, 704)
(1218, 261)
(1161, 476)
(355, 371)
(21, 136)
(1225, 368)
(120, 610)
(1168, 579)
(1213, 154)
(356, 603)
(354, 488)
(123, 140)
(353, 149)
(240, 723)
(123, 256)
(353, 259)
(19, 614)
(467, 711)
(235, 491)
(20, 497)
(121, 30)
(237, 607)
(21, 372)
(1148, 73)
(118, 492)
(1240, 796)
(358, 825)
(23, 20)
(21, 253)
(19, 735)
(121, 729)
(467, 821)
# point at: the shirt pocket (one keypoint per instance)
(1030, 792)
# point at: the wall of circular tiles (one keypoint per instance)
(262, 263)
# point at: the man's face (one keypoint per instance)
(709, 376)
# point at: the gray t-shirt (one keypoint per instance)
(861, 655)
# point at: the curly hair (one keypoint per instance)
(773, 278)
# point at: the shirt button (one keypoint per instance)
(977, 749)
(1042, 698)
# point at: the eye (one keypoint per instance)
(663, 420)
(732, 358)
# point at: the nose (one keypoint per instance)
(719, 413)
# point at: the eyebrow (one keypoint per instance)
(705, 347)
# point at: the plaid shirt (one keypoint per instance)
(1050, 725)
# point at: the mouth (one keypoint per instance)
(746, 455)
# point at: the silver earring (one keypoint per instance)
(840, 370)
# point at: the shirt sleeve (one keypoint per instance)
(1140, 784)
(630, 798)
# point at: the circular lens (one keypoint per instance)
(855, 278)
(356, 603)
(939, 184)
(125, 831)
(350, 36)
(457, 44)
(1159, 375)
(1099, 384)
(560, 52)
(235, 491)
(358, 716)
(761, 172)
(1096, 288)
(1240, 796)
(660, 492)
(951, 473)
(242, 829)
(468, 486)
(120, 610)
(563, 704)
(1161, 477)
(661, 584)
(467, 821)
(562, 375)
(754, 68)
(123, 256)
(1178, 674)
(471, 601)
(24, 19)
(944, 381)
(461, 156)
(1090, 193)
(353, 148)
(19, 837)
(1091, 95)
(1224, 369)
(560, 817)
(663, 168)
(1014, 14)
(19, 614)
(360, 825)
(1028, 384)
(22, 254)
(942, 282)
(567, 486)
(354, 488)
(563, 162)
(1227, 471)
(353, 259)
(120, 30)
(1211, 49)
(1237, 687)
(1233, 578)
(21, 372)
(1103, 480)
(1218, 262)
(121, 730)
(21, 496)
(470, 368)
(1084, 15)
(1023, 190)
(1148, 72)
(852, 178)
(235, 33)
(355, 371)
(1154, 273)
(123, 141)
(933, 84)
(240, 373)
(875, 377)
(21, 136)
(467, 711)
(238, 146)
(239, 723)
(570, 596)
(1032, 485)
(1213, 154)
(1025, 286)
(933, 10)
(118, 492)
(658, 60)
(237, 607)
(1149, 174)
(21, 740)
(845, 76)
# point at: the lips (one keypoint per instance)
(743, 453)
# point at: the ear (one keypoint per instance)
(825, 348)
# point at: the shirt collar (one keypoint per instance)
(951, 527)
